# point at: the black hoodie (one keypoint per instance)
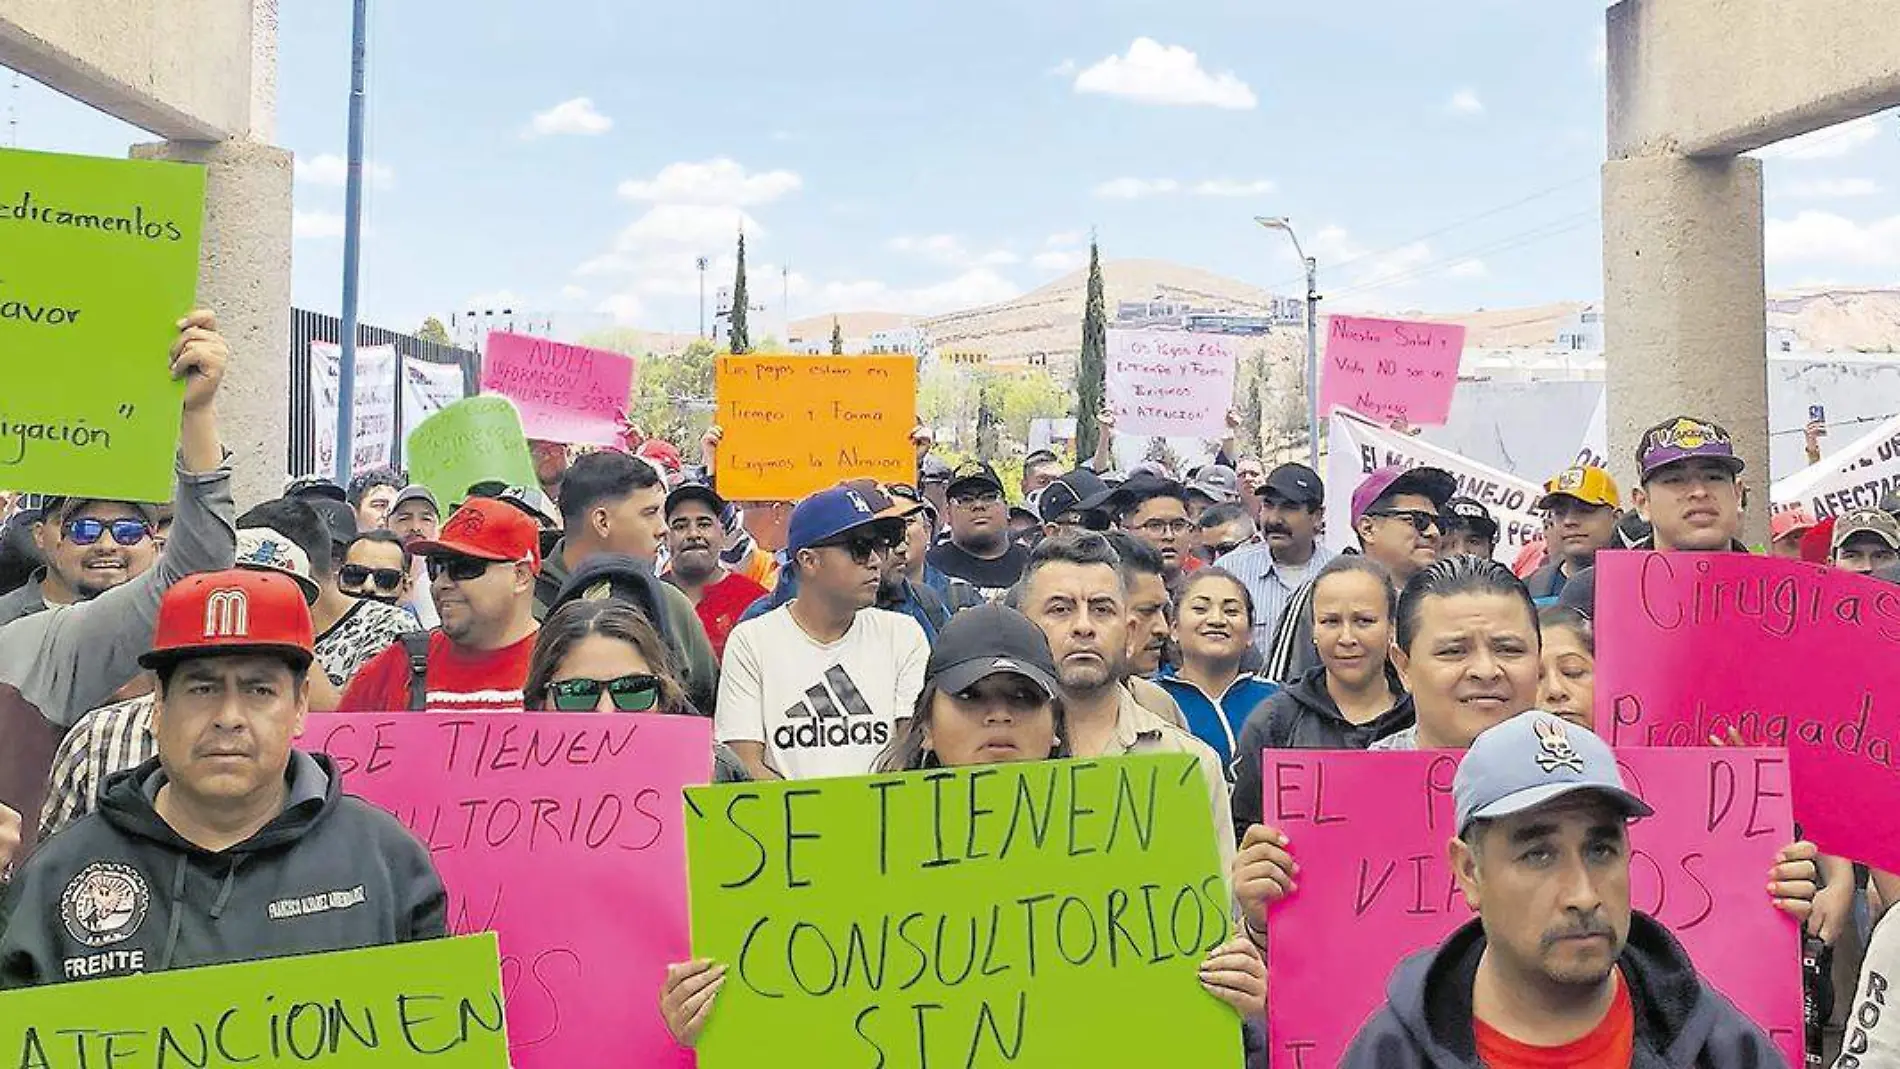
(1303, 716)
(1681, 1022)
(120, 892)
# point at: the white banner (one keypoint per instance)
(1595, 452)
(427, 388)
(1358, 448)
(1163, 383)
(375, 404)
(1854, 478)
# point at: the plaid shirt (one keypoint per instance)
(111, 738)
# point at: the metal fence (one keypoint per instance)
(306, 327)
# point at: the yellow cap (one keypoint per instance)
(1592, 486)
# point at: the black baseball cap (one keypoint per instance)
(971, 474)
(1471, 513)
(1080, 490)
(305, 487)
(990, 640)
(1297, 483)
(699, 492)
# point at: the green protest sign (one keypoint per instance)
(436, 1003)
(473, 440)
(1036, 914)
(98, 263)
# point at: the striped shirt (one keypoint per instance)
(1271, 583)
(109, 739)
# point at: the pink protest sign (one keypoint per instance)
(1369, 831)
(563, 834)
(566, 393)
(1170, 384)
(1390, 369)
(1788, 653)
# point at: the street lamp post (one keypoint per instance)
(702, 263)
(1285, 225)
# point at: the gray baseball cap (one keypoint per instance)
(1531, 760)
(1217, 483)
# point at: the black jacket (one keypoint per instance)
(1303, 716)
(1681, 1022)
(120, 892)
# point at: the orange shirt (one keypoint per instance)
(1610, 1045)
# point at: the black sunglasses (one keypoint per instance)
(1420, 520)
(862, 546)
(124, 532)
(629, 693)
(356, 575)
(458, 568)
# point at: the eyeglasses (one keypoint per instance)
(1420, 520)
(1163, 528)
(458, 568)
(124, 532)
(863, 546)
(978, 499)
(629, 693)
(357, 575)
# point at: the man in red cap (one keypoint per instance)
(229, 845)
(482, 572)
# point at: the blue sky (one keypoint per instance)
(572, 157)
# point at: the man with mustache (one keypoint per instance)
(694, 537)
(1291, 500)
(229, 845)
(1557, 969)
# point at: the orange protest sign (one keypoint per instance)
(796, 424)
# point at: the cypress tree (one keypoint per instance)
(1092, 369)
(740, 338)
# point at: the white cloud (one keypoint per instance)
(1833, 188)
(1467, 269)
(1064, 240)
(1136, 188)
(495, 300)
(1060, 261)
(1825, 236)
(625, 308)
(948, 249)
(1600, 55)
(1465, 102)
(1830, 143)
(577, 116)
(973, 288)
(1222, 187)
(721, 182)
(573, 293)
(1366, 270)
(1064, 69)
(331, 170)
(1154, 73)
(316, 225)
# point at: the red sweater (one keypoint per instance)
(721, 604)
(459, 681)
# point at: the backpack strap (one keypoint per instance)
(416, 645)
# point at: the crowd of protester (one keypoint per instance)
(157, 660)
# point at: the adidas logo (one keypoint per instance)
(833, 713)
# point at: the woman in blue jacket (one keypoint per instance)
(1213, 625)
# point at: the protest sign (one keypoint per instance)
(561, 833)
(98, 263)
(1789, 653)
(428, 388)
(431, 1003)
(797, 424)
(1358, 447)
(1390, 369)
(1859, 476)
(1369, 831)
(963, 916)
(565, 393)
(1595, 450)
(1168, 383)
(471, 440)
(374, 410)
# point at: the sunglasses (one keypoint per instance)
(863, 546)
(1420, 520)
(458, 568)
(629, 694)
(124, 532)
(358, 575)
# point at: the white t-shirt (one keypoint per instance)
(820, 709)
(1873, 1027)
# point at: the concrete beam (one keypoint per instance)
(1721, 77)
(1685, 332)
(244, 276)
(182, 69)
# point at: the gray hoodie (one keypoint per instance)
(1681, 1022)
(120, 892)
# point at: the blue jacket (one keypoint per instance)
(1217, 721)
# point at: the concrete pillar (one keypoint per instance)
(244, 276)
(1684, 319)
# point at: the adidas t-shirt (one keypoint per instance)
(820, 709)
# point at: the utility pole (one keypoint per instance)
(352, 251)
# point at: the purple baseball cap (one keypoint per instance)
(1433, 483)
(1681, 438)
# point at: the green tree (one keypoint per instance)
(986, 429)
(673, 397)
(432, 330)
(1163, 453)
(1092, 369)
(1253, 381)
(837, 338)
(738, 335)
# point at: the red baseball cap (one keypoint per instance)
(242, 610)
(488, 529)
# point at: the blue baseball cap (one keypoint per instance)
(1532, 760)
(828, 514)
